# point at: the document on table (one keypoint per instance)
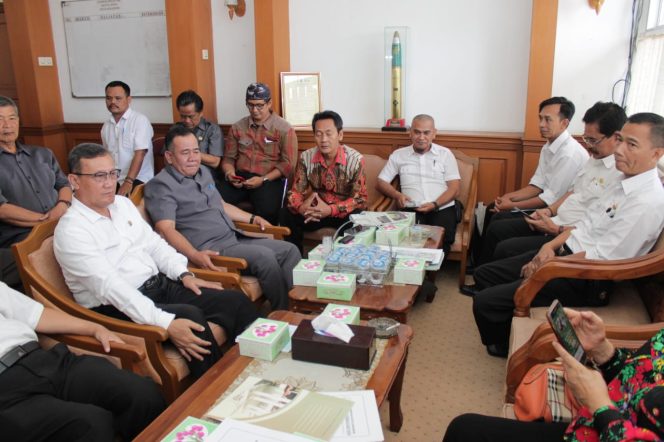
(237, 431)
(362, 424)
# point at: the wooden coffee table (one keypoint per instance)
(392, 301)
(386, 382)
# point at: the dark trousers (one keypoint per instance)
(479, 428)
(9, 271)
(503, 227)
(446, 219)
(56, 396)
(265, 199)
(297, 226)
(483, 245)
(229, 309)
(499, 280)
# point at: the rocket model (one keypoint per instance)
(396, 122)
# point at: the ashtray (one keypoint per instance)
(385, 327)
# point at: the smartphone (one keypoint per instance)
(564, 331)
(523, 212)
(238, 178)
(346, 239)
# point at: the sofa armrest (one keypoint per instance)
(277, 232)
(127, 353)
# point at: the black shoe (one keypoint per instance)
(469, 290)
(498, 350)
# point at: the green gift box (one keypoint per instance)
(339, 286)
(264, 339)
(307, 272)
(365, 237)
(317, 253)
(391, 234)
(409, 271)
(349, 314)
(402, 218)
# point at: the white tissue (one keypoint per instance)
(332, 326)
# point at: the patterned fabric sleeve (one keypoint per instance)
(230, 153)
(288, 153)
(300, 184)
(358, 200)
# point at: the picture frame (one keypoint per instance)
(300, 97)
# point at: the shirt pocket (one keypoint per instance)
(244, 144)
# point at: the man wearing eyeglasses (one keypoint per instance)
(260, 153)
(33, 189)
(512, 236)
(208, 134)
(116, 265)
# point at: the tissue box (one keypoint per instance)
(317, 253)
(263, 339)
(307, 272)
(310, 346)
(346, 313)
(394, 233)
(336, 286)
(409, 271)
(402, 218)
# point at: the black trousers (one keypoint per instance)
(297, 226)
(445, 218)
(479, 428)
(9, 271)
(503, 226)
(56, 396)
(265, 199)
(499, 280)
(229, 309)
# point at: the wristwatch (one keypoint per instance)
(265, 179)
(184, 275)
(435, 204)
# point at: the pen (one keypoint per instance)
(392, 326)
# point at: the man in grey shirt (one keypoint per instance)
(33, 189)
(190, 214)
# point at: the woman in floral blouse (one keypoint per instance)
(624, 401)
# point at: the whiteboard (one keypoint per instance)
(122, 40)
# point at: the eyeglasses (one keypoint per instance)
(259, 107)
(591, 142)
(101, 177)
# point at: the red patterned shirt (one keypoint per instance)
(342, 185)
(259, 148)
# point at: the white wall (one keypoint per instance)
(591, 54)
(467, 63)
(93, 110)
(234, 59)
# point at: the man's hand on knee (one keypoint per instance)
(196, 284)
(181, 334)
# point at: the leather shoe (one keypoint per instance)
(497, 350)
(469, 290)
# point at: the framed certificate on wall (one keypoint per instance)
(300, 97)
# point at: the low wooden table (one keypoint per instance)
(386, 382)
(392, 301)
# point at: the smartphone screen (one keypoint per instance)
(565, 332)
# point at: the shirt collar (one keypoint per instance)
(558, 142)
(87, 212)
(636, 182)
(178, 176)
(432, 151)
(609, 161)
(203, 124)
(19, 149)
(339, 159)
(267, 124)
(124, 116)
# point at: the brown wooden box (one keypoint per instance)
(310, 346)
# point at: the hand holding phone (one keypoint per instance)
(237, 178)
(523, 212)
(564, 331)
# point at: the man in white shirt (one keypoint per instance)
(513, 236)
(115, 264)
(560, 161)
(127, 134)
(429, 179)
(623, 223)
(56, 395)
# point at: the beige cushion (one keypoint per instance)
(508, 411)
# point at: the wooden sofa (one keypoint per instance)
(43, 280)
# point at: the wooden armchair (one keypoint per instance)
(43, 280)
(248, 284)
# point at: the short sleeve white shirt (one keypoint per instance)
(104, 260)
(559, 163)
(19, 316)
(423, 177)
(596, 177)
(625, 222)
(131, 133)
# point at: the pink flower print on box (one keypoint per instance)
(263, 330)
(336, 277)
(340, 313)
(388, 227)
(192, 433)
(411, 263)
(311, 265)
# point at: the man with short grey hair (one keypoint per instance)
(33, 189)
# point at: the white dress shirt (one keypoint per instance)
(591, 183)
(105, 260)
(625, 222)
(19, 316)
(423, 177)
(131, 133)
(559, 163)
